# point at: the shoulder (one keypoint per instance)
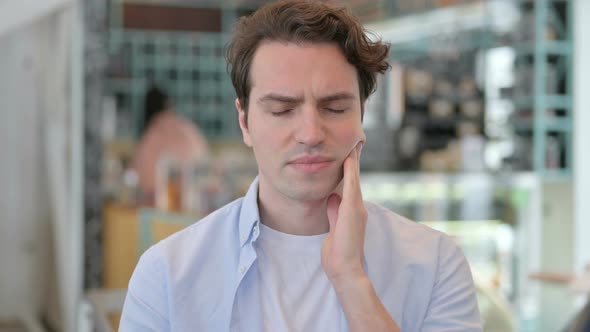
(193, 268)
(185, 128)
(391, 237)
(384, 221)
(214, 228)
(179, 260)
(146, 304)
(419, 272)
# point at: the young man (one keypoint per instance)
(302, 251)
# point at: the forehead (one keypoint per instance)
(298, 68)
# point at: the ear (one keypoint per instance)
(243, 124)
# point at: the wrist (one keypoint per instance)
(353, 289)
(362, 307)
(352, 281)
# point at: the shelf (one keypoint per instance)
(562, 125)
(556, 175)
(550, 48)
(118, 84)
(537, 120)
(550, 102)
(412, 28)
(558, 125)
(189, 66)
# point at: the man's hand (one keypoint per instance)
(342, 254)
(342, 250)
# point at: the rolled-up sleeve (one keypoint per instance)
(453, 303)
(146, 303)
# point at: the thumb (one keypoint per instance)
(333, 205)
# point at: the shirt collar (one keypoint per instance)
(249, 214)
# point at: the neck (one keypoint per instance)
(290, 216)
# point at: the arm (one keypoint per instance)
(146, 305)
(363, 309)
(342, 255)
(453, 302)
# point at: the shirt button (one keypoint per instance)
(243, 237)
(242, 269)
(255, 230)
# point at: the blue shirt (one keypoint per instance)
(189, 281)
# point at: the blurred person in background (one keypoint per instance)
(166, 136)
(302, 251)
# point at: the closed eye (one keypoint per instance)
(335, 110)
(282, 112)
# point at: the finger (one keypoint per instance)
(338, 189)
(351, 190)
(333, 206)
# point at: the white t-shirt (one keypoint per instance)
(294, 293)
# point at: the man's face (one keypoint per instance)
(304, 118)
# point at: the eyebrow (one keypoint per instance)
(280, 98)
(337, 96)
(298, 100)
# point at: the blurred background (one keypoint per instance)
(117, 129)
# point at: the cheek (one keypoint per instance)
(351, 136)
(266, 142)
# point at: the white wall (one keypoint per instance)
(581, 85)
(41, 171)
(25, 233)
(16, 14)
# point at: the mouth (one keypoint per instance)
(311, 164)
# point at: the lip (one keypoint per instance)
(310, 160)
(311, 164)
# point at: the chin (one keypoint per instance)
(313, 191)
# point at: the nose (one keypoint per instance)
(310, 131)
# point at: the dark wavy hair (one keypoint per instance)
(300, 21)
